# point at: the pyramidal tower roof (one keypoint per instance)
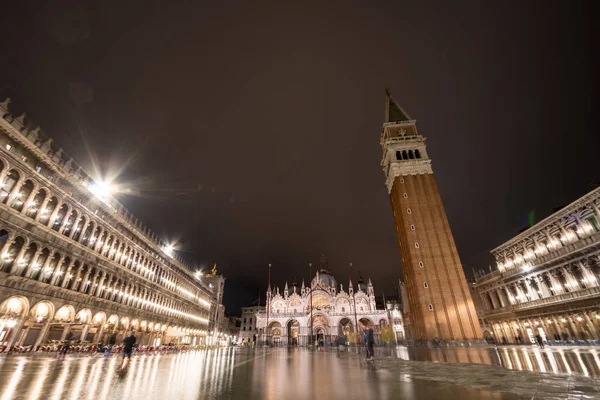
(393, 111)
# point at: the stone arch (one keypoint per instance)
(99, 318)
(48, 272)
(47, 211)
(417, 154)
(113, 321)
(70, 222)
(8, 258)
(42, 311)
(10, 182)
(24, 262)
(345, 327)
(79, 227)
(84, 316)
(66, 313)
(366, 322)
(5, 236)
(36, 203)
(86, 235)
(61, 271)
(26, 189)
(16, 307)
(342, 305)
(63, 211)
(34, 270)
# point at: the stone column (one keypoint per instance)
(63, 223)
(42, 207)
(77, 278)
(50, 223)
(55, 274)
(50, 257)
(557, 287)
(543, 286)
(521, 298)
(510, 298)
(591, 326)
(533, 294)
(15, 267)
(84, 332)
(571, 280)
(14, 192)
(588, 275)
(75, 227)
(66, 330)
(14, 334)
(42, 335)
(98, 291)
(27, 202)
(67, 280)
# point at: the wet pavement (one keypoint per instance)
(583, 361)
(235, 373)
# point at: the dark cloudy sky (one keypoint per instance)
(250, 132)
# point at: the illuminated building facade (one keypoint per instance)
(298, 316)
(72, 258)
(547, 278)
(439, 299)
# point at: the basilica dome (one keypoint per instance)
(325, 279)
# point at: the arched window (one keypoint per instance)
(23, 195)
(36, 203)
(411, 155)
(417, 154)
(8, 185)
(398, 155)
(404, 155)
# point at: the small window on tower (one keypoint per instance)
(425, 285)
(405, 195)
(412, 227)
(416, 245)
(417, 154)
(398, 155)
(408, 211)
(421, 265)
(401, 180)
(430, 306)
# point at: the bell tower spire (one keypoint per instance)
(438, 295)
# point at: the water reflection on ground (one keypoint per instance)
(216, 374)
(584, 361)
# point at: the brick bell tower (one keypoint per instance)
(438, 294)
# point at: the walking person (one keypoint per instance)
(112, 340)
(366, 341)
(539, 340)
(65, 347)
(128, 343)
(370, 342)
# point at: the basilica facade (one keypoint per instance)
(325, 310)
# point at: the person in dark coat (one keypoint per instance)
(128, 343)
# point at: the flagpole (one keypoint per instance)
(311, 306)
(354, 300)
(268, 305)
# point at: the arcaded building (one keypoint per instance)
(440, 303)
(72, 258)
(546, 279)
(302, 315)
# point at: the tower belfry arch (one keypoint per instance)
(439, 299)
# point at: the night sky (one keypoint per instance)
(250, 133)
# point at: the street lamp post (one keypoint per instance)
(268, 305)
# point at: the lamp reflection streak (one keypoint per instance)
(14, 381)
